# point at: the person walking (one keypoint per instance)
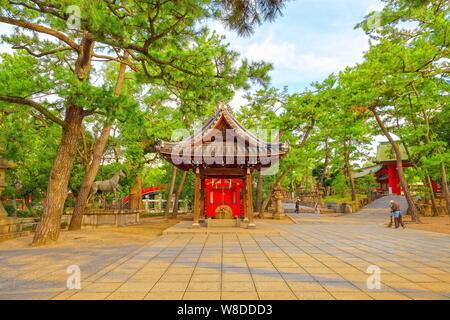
(396, 214)
(297, 206)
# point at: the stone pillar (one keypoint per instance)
(146, 203)
(197, 199)
(160, 203)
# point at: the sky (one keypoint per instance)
(312, 39)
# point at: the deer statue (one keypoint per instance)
(108, 185)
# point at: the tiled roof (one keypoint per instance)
(246, 144)
(385, 152)
(365, 171)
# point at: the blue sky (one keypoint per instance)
(312, 39)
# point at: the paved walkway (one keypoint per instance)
(317, 258)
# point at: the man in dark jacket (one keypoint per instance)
(297, 206)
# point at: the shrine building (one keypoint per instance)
(223, 155)
(385, 170)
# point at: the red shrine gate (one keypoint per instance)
(386, 169)
(388, 179)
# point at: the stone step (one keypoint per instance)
(214, 223)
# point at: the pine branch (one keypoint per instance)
(41, 29)
(39, 107)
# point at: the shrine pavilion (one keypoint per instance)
(223, 155)
(385, 170)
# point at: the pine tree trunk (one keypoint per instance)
(49, 226)
(348, 172)
(88, 180)
(269, 195)
(432, 196)
(171, 188)
(176, 203)
(93, 167)
(325, 164)
(284, 174)
(136, 195)
(445, 187)
(398, 157)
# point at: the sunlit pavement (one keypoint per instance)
(318, 258)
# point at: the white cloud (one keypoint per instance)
(238, 100)
(309, 57)
(312, 40)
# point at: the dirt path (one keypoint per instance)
(435, 224)
(149, 229)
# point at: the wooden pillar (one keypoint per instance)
(244, 199)
(202, 197)
(197, 198)
(249, 198)
(394, 179)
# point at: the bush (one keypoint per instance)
(366, 183)
(340, 185)
(9, 208)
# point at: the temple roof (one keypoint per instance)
(385, 152)
(366, 170)
(222, 142)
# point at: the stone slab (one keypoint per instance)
(185, 227)
(221, 223)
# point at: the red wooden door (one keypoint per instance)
(220, 192)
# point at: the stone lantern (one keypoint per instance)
(277, 199)
(4, 165)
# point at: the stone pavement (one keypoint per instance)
(317, 258)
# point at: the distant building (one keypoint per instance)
(385, 170)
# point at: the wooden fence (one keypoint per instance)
(158, 205)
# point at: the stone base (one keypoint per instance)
(10, 228)
(279, 215)
(185, 227)
(211, 223)
(9, 236)
(9, 225)
(105, 218)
